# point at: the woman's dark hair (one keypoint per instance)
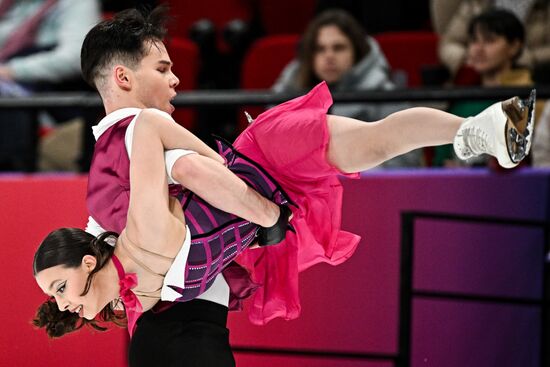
(347, 25)
(67, 247)
(122, 39)
(501, 23)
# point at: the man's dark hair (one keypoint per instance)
(122, 39)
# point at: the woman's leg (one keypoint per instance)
(503, 130)
(356, 146)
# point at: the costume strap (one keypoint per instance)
(129, 299)
(124, 242)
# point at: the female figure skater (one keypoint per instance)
(291, 154)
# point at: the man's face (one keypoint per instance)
(154, 83)
(334, 54)
(489, 53)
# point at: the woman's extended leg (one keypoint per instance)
(356, 146)
(504, 130)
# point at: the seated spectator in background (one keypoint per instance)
(534, 14)
(40, 44)
(335, 48)
(496, 41)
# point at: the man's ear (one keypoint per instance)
(89, 262)
(516, 48)
(122, 77)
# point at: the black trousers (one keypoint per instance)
(190, 334)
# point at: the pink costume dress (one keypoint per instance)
(290, 142)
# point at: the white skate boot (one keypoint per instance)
(503, 130)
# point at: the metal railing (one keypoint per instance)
(266, 97)
(91, 104)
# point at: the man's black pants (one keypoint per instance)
(190, 334)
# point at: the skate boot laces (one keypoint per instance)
(476, 141)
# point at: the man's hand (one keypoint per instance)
(277, 232)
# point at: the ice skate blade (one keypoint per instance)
(519, 126)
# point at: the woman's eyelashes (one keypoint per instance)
(61, 288)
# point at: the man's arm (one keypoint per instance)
(150, 220)
(209, 178)
(175, 136)
(218, 186)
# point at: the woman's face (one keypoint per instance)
(66, 286)
(489, 53)
(333, 54)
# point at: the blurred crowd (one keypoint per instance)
(285, 46)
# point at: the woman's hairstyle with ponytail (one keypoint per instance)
(67, 247)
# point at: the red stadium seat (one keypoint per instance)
(286, 16)
(266, 59)
(409, 51)
(262, 65)
(187, 12)
(185, 56)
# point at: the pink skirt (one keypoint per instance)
(290, 142)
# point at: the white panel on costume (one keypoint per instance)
(93, 228)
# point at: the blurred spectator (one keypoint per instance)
(496, 39)
(40, 44)
(451, 20)
(335, 48)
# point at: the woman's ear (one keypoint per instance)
(89, 262)
(122, 77)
